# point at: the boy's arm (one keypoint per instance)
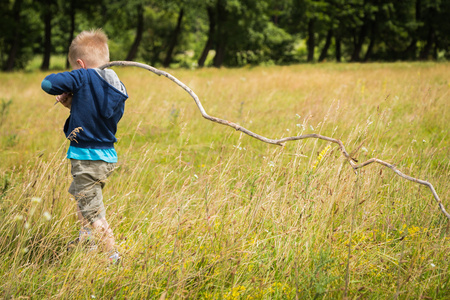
(65, 82)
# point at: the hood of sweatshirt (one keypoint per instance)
(111, 94)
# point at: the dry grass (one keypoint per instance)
(203, 212)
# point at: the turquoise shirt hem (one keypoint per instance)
(108, 155)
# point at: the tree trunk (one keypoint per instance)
(10, 62)
(220, 55)
(359, 41)
(173, 42)
(71, 30)
(311, 41)
(426, 51)
(411, 51)
(373, 38)
(369, 51)
(425, 54)
(47, 38)
(324, 52)
(221, 39)
(139, 31)
(337, 40)
(210, 41)
(275, 18)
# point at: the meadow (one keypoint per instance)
(201, 211)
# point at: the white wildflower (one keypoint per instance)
(18, 218)
(46, 215)
(36, 200)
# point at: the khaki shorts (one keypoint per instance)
(89, 178)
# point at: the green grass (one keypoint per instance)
(201, 211)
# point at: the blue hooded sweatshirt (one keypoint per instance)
(98, 104)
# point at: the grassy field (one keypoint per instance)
(201, 211)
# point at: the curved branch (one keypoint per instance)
(416, 180)
(281, 141)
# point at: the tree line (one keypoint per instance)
(231, 33)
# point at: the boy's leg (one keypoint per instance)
(85, 234)
(89, 179)
(85, 231)
(107, 236)
(101, 226)
(106, 233)
(83, 221)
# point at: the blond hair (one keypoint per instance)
(90, 46)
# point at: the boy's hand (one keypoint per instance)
(65, 99)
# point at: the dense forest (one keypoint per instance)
(197, 33)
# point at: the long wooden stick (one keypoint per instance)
(279, 142)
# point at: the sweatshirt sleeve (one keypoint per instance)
(65, 82)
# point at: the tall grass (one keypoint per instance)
(202, 212)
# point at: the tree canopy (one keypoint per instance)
(229, 32)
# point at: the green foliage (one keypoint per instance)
(320, 274)
(160, 26)
(243, 31)
(20, 30)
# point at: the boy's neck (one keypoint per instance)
(81, 64)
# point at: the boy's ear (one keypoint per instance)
(81, 63)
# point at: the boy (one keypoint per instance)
(96, 99)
